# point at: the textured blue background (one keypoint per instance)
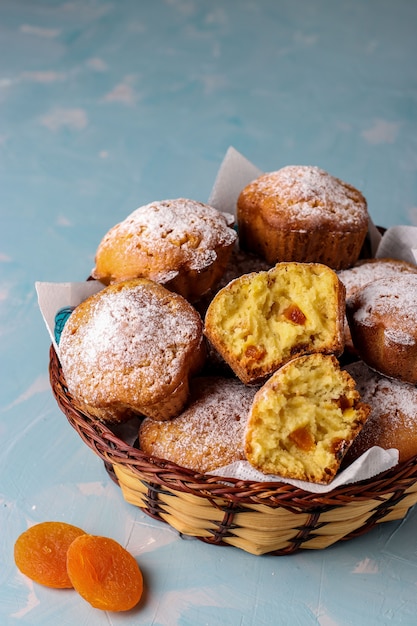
(108, 105)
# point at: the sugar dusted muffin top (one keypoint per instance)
(181, 243)
(304, 195)
(131, 348)
(302, 213)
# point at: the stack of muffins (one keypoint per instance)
(228, 340)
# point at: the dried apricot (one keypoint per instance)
(294, 314)
(40, 552)
(104, 573)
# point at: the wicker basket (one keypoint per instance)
(258, 517)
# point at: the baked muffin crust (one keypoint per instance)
(182, 244)
(208, 434)
(302, 213)
(392, 422)
(131, 348)
(382, 319)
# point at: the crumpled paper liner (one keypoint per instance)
(399, 242)
(54, 296)
(372, 462)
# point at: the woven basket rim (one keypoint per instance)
(113, 450)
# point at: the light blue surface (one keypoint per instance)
(108, 105)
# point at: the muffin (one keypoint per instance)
(182, 244)
(367, 271)
(303, 420)
(209, 432)
(382, 319)
(302, 213)
(261, 320)
(131, 349)
(392, 422)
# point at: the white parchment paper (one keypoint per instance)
(54, 296)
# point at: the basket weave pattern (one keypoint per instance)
(258, 517)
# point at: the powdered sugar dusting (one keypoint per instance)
(184, 231)
(311, 194)
(133, 339)
(392, 302)
(209, 433)
(392, 399)
(398, 336)
(364, 273)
